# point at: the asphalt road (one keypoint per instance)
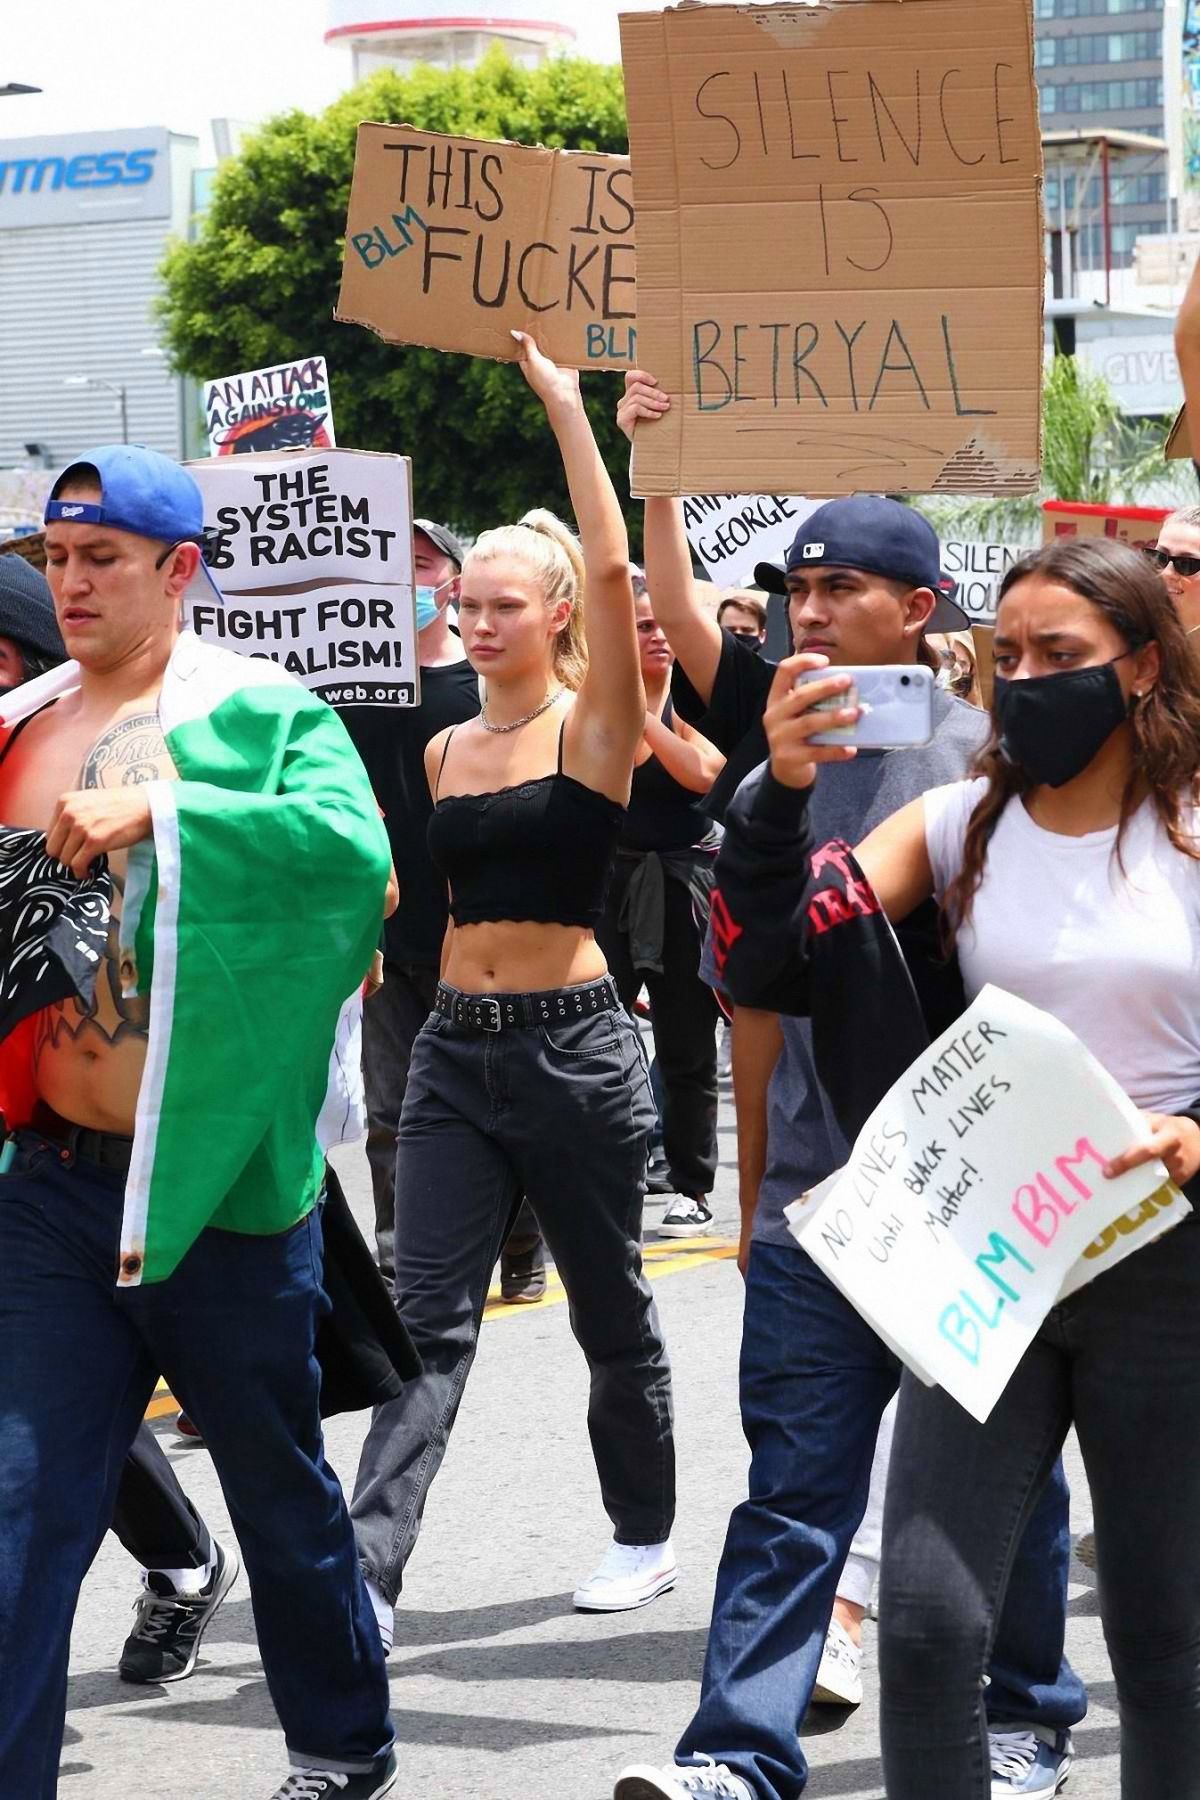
(500, 1690)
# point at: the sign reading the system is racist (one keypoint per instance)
(313, 554)
(286, 407)
(730, 533)
(976, 1194)
(840, 246)
(454, 243)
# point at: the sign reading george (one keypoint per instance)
(730, 533)
(285, 407)
(840, 246)
(455, 243)
(313, 554)
(976, 1194)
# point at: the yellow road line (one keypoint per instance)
(661, 1260)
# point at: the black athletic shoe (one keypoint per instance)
(659, 1179)
(165, 1640)
(323, 1784)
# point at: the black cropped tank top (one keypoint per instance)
(541, 852)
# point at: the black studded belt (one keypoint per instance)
(507, 1012)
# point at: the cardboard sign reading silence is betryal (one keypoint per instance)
(975, 1196)
(313, 554)
(454, 243)
(840, 246)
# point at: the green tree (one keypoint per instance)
(259, 283)
(1090, 452)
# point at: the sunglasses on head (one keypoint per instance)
(1187, 566)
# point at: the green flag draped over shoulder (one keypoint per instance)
(250, 918)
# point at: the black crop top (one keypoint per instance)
(539, 853)
(663, 814)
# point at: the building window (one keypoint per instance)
(1127, 190)
(1087, 48)
(1102, 96)
(1091, 9)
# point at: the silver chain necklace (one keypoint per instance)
(516, 725)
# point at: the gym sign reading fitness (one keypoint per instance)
(85, 178)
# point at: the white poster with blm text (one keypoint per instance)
(976, 1196)
(312, 551)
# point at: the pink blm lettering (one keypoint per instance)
(1039, 1207)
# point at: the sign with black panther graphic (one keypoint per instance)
(286, 407)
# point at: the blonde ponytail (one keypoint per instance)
(555, 558)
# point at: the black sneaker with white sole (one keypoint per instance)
(165, 1640)
(324, 1784)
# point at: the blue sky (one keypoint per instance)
(181, 63)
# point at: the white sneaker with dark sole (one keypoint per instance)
(629, 1576)
(687, 1216)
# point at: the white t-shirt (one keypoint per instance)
(1116, 957)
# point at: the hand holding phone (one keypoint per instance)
(894, 702)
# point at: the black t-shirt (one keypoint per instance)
(733, 720)
(391, 742)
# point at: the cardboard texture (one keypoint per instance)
(1136, 525)
(840, 246)
(454, 243)
(1179, 444)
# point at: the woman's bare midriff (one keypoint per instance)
(507, 957)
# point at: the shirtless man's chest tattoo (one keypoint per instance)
(130, 751)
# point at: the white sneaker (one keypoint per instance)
(630, 1575)
(686, 1217)
(713, 1781)
(385, 1614)
(839, 1678)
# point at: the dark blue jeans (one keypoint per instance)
(1121, 1360)
(232, 1330)
(814, 1383)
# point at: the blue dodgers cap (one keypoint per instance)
(140, 491)
(865, 531)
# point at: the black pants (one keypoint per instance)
(391, 1021)
(559, 1112)
(684, 1014)
(153, 1517)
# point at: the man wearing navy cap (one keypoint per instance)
(30, 641)
(158, 1210)
(864, 585)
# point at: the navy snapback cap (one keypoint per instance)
(26, 608)
(865, 531)
(140, 491)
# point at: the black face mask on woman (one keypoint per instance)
(1051, 726)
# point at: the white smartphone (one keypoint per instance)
(896, 701)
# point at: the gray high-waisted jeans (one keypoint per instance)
(562, 1113)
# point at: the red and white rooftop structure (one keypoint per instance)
(395, 36)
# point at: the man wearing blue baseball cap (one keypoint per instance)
(164, 1152)
(864, 586)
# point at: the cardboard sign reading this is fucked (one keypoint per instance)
(840, 246)
(454, 243)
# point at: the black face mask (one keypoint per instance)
(1051, 726)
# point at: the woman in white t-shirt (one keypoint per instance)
(1069, 874)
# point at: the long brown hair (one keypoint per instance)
(1122, 586)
